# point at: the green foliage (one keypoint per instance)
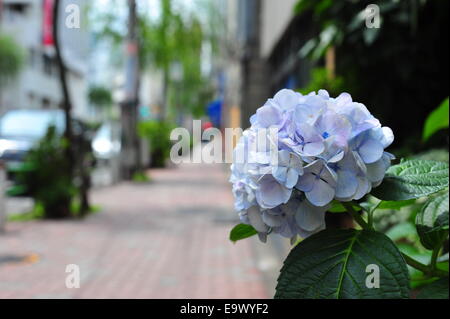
(11, 59)
(437, 290)
(37, 212)
(440, 155)
(242, 231)
(45, 176)
(100, 97)
(158, 136)
(432, 221)
(174, 37)
(413, 179)
(396, 205)
(332, 264)
(177, 39)
(401, 231)
(436, 121)
(376, 64)
(140, 177)
(320, 79)
(337, 207)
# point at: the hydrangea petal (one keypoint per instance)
(321, 194)
(343, 99)
(371, 151)
(268, 115)
(376, 171)
(255, 219)
(309, 217)
(306, 182)
(364, 187)
(313, 149)
(291, 178)
(279, 173)
(271, 194)
(287, 99)
(272, 219)
(347, 184)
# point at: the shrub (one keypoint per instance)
(45, 176)
(158, 136)
(58, 190)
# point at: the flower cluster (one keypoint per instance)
(301, 153)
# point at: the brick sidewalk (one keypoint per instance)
(166, 239)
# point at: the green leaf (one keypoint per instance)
(436, 290)
(412, 179)
(432, 221)
(333, 263)
(242, 231)
(442, 265)
(436, 121)
(396, 205)
(302, 6)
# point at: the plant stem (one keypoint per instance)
(434, 258)
(424, 268)
(371, 212)
(415, 264)
(358, 218)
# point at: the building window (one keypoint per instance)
(48, 64)
(31, 99)
(45, 103)
(13, 11)
(32, 57)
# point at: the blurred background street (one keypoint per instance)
(90, 92)
(163, 239)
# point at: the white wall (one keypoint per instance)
(33, 84)
(276, 15)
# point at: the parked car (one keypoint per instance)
(21, 129)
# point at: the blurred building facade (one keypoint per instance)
(37, 86)
(266, 36)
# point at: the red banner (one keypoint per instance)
(48, 23)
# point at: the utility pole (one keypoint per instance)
(129, 107)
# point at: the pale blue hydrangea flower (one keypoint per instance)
(325, 148)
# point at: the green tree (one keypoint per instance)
(172, 38)
(11, 60)
(100, 96)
